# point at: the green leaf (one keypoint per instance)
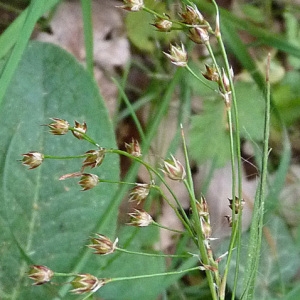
(43, 220)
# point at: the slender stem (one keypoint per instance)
(154, 275)
(167, 228)
(235, 155)
(150, 254)
(63, 157)
(197, 224)
(183, 214)
(88, 34)
(199, 78)
(85, 137)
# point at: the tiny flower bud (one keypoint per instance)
(40, 274)
(94, 158)
(32, 159)
(140, 218)
(202, 207)
(80, 128)
(133, 148)
(206, 228)
(164, 25)
(238, 204)
(88, 181)
(103, 245)
(139, 193)
(211, 73)
(225, 81)
(177, 55)
(192, 16)
(59, 126)
(87, 283)
(229, 220)
(132, 5)
(199, 35)
(174, 169)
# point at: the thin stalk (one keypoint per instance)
(153, 275)
(131, 110)
(235, 155)
(167, 228)
(188, 182)
(151, 254)
(258, 211)
(86, 6)
(183, 217)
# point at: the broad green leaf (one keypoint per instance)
(44, 220)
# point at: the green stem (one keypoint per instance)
(167, 228)
(150, 254)
(197, 224)
(153, 275)
(88, 34)
(235, 150)
(199, 78)
(85, 137)
(182, 213)
(63, 157)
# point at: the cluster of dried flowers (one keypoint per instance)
(101, 245)
(198, 30)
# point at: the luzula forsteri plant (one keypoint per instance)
(197, 226)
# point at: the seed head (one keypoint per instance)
(199, 35)
(103, 245)
(133, 148)
(192, 16)
(164, 25)
(80, 129)
(59, 126)
(32, 159)
(87, 283)
(238, 204)
(211, 73)
(88, 181)
(174, 169)
(132, 5)
(94, 158)
(177, 55)
(140, 218)
(40, 274)
(202, 207)
(139, 193)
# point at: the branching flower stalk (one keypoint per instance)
(198, 227)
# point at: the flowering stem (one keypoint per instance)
(198, 226)
(235, 154)
(64, 157)
(183, 215)
(64, 274)
(120, 182)
(198, 78)
(150, 254)
(85, 136)
(167, 228)
(154, 275)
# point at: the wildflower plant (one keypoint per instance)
(197, 227)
